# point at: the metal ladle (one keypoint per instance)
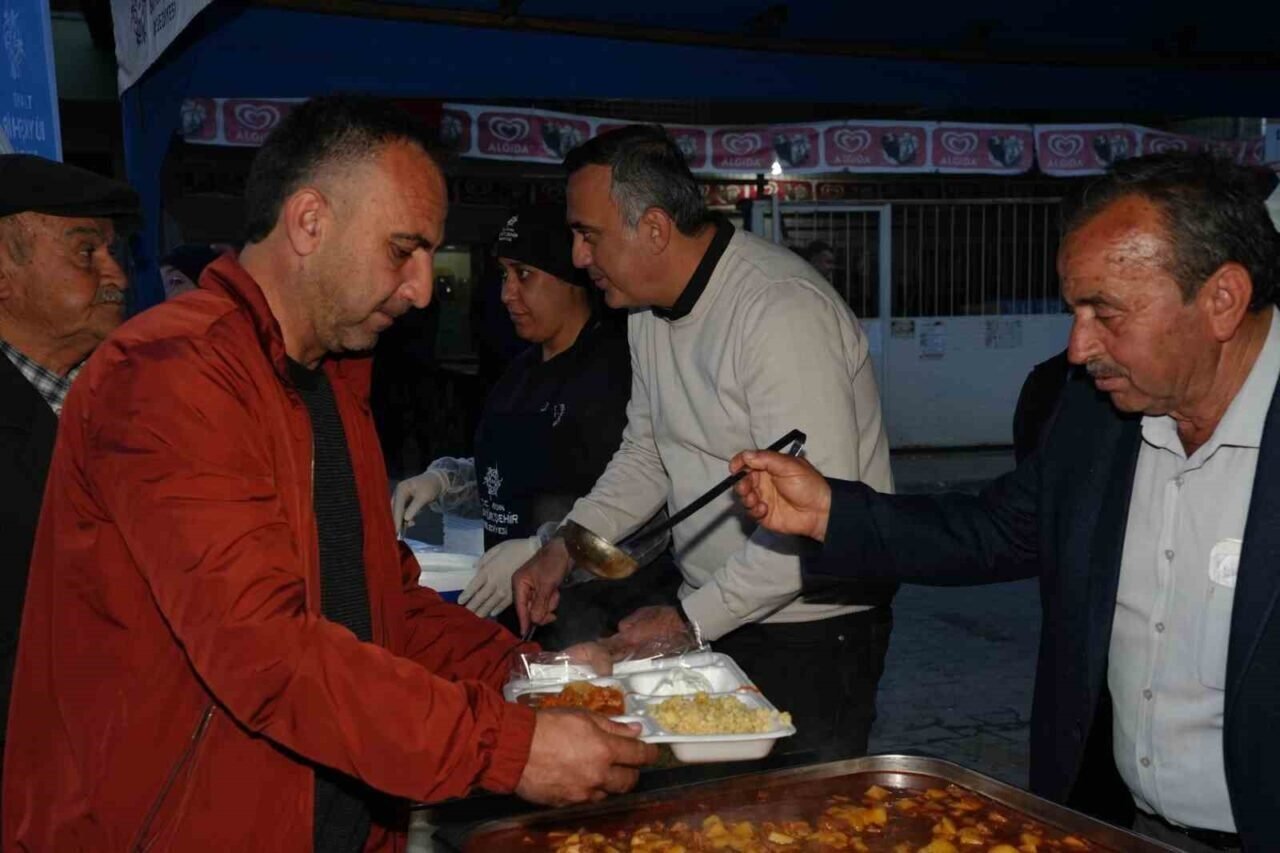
(614, 562)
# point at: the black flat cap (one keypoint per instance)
(29, 183)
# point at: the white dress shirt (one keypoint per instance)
(1168, 658)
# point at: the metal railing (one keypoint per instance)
(854, 237)
(978, 257)
(947, 258)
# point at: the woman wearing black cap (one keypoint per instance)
(552, 421)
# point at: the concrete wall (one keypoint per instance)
(953, 381)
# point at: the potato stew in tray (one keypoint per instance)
(875, 804)
(700, 703)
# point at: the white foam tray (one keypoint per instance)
(646, 683)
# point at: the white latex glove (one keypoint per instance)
(490, 590)
(412, 494)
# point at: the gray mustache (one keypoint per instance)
(1098, 370)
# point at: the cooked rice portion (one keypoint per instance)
(703, 714)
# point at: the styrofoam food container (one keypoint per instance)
(648, 682)
(700, 749)
(463, 535)
(447, 573)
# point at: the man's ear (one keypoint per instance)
(15, 251)
(655, 229)
(1228, 293)
(304, 216)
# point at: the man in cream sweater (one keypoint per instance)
(734, 341)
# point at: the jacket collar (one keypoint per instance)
(702, 275)
(1258, 580)
(23, 412)
(22, 404)
(226, 277)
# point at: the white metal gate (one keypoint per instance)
(959, 299)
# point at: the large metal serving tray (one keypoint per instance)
(896, 771)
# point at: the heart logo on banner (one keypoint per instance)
(257, 117)
(961, 144)
(1161, 144)
(742, 143)
(1066, 145)
(852, 141)
(509, 129)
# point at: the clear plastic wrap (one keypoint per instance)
(460, 495)
(675, 690)
(603, 658)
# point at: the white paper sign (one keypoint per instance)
(933, 340)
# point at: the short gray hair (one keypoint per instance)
(648, 171)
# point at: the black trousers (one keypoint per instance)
(824, 673)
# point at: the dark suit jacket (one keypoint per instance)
(27, 430)
(1061, 516)
(1037, 402)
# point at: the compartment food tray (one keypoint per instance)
(647, 683)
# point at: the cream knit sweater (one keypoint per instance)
(768, 347)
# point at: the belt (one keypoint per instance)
(1214, 838)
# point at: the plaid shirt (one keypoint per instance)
(50, 385)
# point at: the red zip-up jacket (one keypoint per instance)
(173, 667)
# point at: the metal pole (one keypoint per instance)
(777, 217)
(886, 308)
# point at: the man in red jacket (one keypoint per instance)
(224, 647)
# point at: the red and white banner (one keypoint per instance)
(1006, 149)
(692, 141)
(876, 146)
(249, 122)
(524, 134)
(1084, 149)
(233, 121)
(798, 149)
(1158, 142)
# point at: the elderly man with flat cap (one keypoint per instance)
(61, 293)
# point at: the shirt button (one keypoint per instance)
(1177, 481)
(1146, 694)
(1159, 627)
(1168, 553)
(1145, 762)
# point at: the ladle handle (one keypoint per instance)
(794, 436)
